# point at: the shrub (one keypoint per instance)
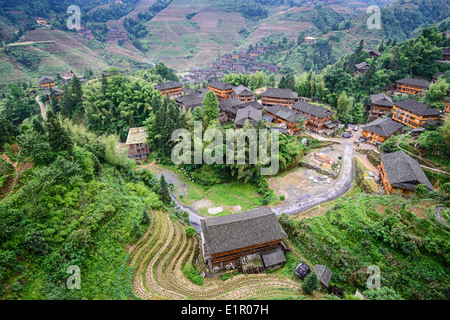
(310, 283)
(192, 274)
(191, 232)
(282, 198)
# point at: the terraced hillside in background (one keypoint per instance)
(51, 52)
(159, 256)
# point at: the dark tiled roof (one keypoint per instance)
(46, 79)
(191, 100)
(284, 113)
(230, 104)
(241, 230)
(273, 257)
(415, 82)
(220, 85)
(403, 171)
(280, 93)
(324, 274)
(254, 104)
(383, 126)
(376, 52)
(362, 65)
(417, 107)
(56, 90)
(248, 113)
(243, 91)
(312, 109)
(168, 85)
(381, 99)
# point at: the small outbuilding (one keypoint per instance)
(324, 274)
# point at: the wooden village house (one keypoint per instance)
(222, 90)
(247, 115)
(447, 107)
(401, 174)
(57, 91)
(230, 241)
(46, 82)
(274, 96)
(173, 89)
(318, 117)
(380, 129)
(380, 105)
(286, 116)
(137, 144)
(412, 86)
(413, 113)
(361, 68)
(243, 93)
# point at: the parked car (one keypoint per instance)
(355, 128)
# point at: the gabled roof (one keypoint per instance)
(136, 135)
(220, 85)
(242, 91)
(191, 100)
(230, 104)
(324, 274)
(280, 93)
(417, 107)
(415, 82)
(383, 126)
(56, 90)
(284, 113)
(362, 65)
(248, 113)
(241, 230)
(273, 257)
(403, 171)
(46, 79)
(381, 99)
(168, 85)
(312, 109)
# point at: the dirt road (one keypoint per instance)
(342, 185)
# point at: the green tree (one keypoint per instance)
(58, 137)
(145, 217)
(310, 283)
(164, 192)
(211, 109)
(437, 90)
(344, 107)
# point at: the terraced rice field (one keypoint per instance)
(159, 256)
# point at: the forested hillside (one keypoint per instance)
(79, 202)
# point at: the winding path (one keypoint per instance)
(342, 185)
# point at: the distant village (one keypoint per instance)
(244, 62)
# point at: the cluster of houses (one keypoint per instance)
(399, 172)
(47, 85)
(281, 110)
(85, 33)
(244, 62)
(114, 35)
